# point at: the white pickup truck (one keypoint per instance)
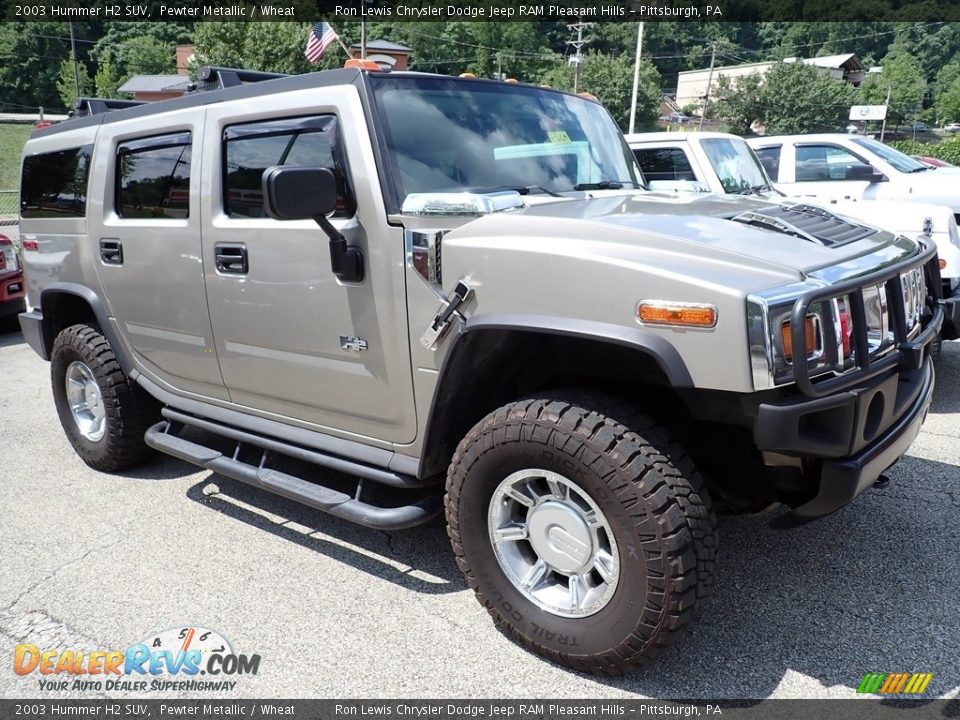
(724, 163)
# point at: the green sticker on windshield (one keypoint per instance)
(559, 137)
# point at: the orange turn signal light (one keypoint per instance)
(361, 64)
(810, 336)
(655, 312)
(943, 263)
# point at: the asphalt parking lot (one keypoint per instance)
(90, 560)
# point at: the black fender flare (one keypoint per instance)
(659, 349)
(99, 309)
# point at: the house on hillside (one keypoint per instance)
(692, 84)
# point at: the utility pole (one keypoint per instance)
(706, 98)
(76, 71)
(577, 44)
(636, 77)
(883, 128)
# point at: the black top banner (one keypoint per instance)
(478, 10)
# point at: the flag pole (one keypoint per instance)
(363, 39)
(342, 44)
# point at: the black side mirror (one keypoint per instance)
(864, 172)
(299, 193)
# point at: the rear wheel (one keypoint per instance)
(103, 413)
(590, 541)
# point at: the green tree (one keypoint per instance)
(267, 46)
(30, 55)
(67, 81)
(738, 101)
(790, 98)
(107, 78)
(902, 79)
(148, 56)
(948, 103)
(610, 79)
(799, 98)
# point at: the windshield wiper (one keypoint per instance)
(606, 185)
(755, 190)
(922, 168)
(520, 189)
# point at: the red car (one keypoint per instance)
(932, 161)
(12, 286)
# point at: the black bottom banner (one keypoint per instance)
(854, 709)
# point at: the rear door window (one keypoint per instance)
(153, 177)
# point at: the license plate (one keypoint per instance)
(914, 292)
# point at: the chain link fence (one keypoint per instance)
(9, 225)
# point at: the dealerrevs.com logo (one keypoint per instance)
(185, 659)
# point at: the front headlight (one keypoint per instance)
(829, 327)
(773, 350)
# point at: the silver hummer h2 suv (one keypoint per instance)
(493, 318)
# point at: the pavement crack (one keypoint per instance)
(389, 538)
(121, 533)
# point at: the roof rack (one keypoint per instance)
(85, 106)
(214, 78)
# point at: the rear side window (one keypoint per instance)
(54, 184)
(153, 177)
(664, 164)
(770, 159)
(251, 148)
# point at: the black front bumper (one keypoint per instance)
(851, 436)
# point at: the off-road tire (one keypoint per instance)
(652, 496)
(129, 409)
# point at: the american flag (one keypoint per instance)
(321, 37)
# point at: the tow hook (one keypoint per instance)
(882, 482)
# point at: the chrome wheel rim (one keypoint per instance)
(85, 401)
(553, 543)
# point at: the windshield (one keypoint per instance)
(901, 162)
(736, 165)
(451, 135)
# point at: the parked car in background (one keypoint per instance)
(12, 286)
(952, 127)
(932, 161)
(724, 163)
(849, 167)
(920, 126)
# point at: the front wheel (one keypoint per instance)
(103, 413)
(591, 542)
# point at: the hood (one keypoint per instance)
(937, 186)
(700, 225)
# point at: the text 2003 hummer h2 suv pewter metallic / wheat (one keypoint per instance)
(502, 323)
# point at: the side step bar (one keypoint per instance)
(161, 437)
(385, 477)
